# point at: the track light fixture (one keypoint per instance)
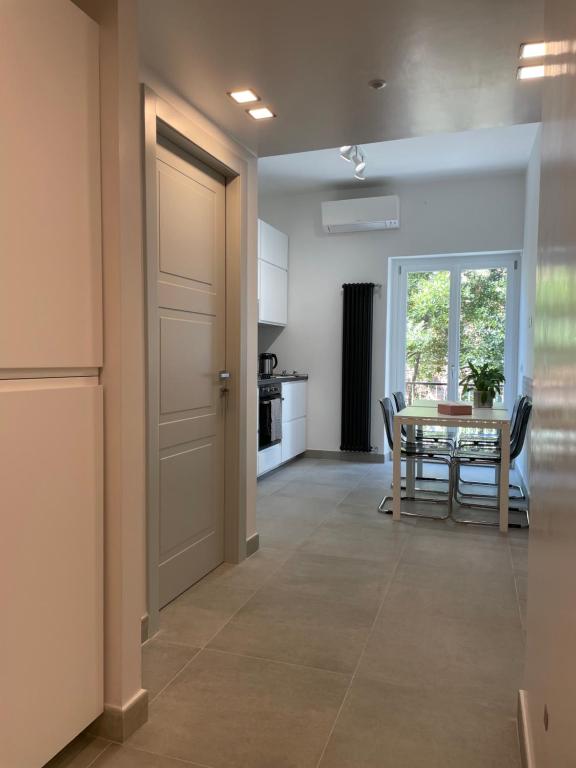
(347, 151)
(352, 153)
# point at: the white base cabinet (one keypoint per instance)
(294, 397)
(269, 458)
(293, 438)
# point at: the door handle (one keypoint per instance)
(224, 377)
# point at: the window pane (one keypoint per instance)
(428, 312)
(482, 319)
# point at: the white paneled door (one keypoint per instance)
(191, 406)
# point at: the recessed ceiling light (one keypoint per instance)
(532, 50)
(243, 97)
(260, 113)
(530, 73)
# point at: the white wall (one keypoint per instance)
(528, 292)
(442, 216)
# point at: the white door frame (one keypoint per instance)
(160, 118)
(398, 268)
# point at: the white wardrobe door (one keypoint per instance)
(50, 565)
(50, 234)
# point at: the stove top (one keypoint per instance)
(280, 377)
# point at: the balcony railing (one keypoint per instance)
(426, 390)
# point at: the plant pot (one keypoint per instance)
(483, 399)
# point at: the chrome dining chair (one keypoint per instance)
(417, 450)
(438, 438)
(492, 441)
(488, 456)
(439, 435)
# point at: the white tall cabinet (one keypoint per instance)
(272, 275)
(51, 583)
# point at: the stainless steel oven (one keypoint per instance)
(269, 414)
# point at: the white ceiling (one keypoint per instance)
(450, 65)
(440, 154)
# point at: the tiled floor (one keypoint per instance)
(346, 641)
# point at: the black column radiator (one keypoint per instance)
(356, 366)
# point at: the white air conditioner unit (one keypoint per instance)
(362, 214)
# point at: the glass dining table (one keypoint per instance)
(425, 413)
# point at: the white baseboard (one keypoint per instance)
(524, 732)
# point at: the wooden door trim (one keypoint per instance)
(161, 119)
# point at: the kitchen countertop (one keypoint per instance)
(280, 379)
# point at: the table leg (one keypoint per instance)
(504, 476)
(410, 464)
(397, 471)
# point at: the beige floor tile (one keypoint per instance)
(124, 757)
(278, 506)
(365, 495)
(80, 753)
(285, 533)
(290, 606)
(321, 647)
(384, 726)
(482, 535)
(269, 485)
(299, 488)
(457, 553)
(338, 477)
(519, 537)
(252, 572)
(479, 659)
(161, 661)
(334, 578)
(433, 591)
(315, 611)
(354, 540)
(523, 611)
(521, 585)
(520, 560)
(195, 617)
(368, 516)
(231, 711)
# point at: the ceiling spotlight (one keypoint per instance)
(260, 113)
(347, 151)
(244, 97)
(352, 153)
(531, 72)
(532, 50)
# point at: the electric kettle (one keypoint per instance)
(267, 364)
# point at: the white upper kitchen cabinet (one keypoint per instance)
(272, 275)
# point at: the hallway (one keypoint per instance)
(346, 641)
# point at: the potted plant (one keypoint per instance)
(484, 381)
